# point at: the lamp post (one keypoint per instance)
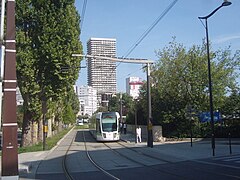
(225, 3)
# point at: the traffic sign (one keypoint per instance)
(206, 117)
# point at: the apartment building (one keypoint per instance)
(102, 72)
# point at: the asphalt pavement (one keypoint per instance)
(175, 150)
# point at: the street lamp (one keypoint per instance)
(225, 3)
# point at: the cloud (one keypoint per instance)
(224, 39)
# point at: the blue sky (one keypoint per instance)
(127, 20)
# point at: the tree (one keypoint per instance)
(68, 115)
(180, 79)
(47, 35)
(115, 103)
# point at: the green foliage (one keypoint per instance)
(20, 115)
(47, 34)
(180, 79)
(73, 100)
(231, 115)
(69, 116)
(56, 38)
(127, 103)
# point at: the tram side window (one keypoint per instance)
(114, 126)
(98, 128)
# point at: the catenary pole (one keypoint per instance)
(10, 146)
(2, 57)
(149, 122)
(135, 61)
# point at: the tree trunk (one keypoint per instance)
(26, 129)
(40, 130)
(34, 131)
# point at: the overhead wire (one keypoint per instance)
(145, 34)
(83, 13)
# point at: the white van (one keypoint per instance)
(80, 122)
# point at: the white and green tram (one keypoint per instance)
(106, 126)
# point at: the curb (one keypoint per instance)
(23, 169)
(60, 140)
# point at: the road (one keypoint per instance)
(122, 160)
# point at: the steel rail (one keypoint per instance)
(94, 163)
(64, 165)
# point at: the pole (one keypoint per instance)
(210, 91)
(44, 123)
(191, 124)
(135, 123)
(2, 19)
(10, 146)
(1, 80)
(149, 123)
(2, 57)
(225, 3)
(229, 141)
(121, 108)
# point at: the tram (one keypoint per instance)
(105, 127)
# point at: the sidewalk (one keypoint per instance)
(29, 162)
(128, 137)
(182, 149)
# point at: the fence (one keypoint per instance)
(157, 132)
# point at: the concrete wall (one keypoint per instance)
(157, 132)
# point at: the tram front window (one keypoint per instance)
(108, 127)
(109, 122)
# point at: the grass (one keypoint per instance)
(85, 126)
(50, 143)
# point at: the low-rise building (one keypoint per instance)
(133, 85)
(87, 96)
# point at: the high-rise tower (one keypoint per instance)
(101, 72)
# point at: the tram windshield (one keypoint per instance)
(109, 122)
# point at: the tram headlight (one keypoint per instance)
(104, 135)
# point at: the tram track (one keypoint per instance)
(190, 167)
(64, 161)
(122, 150)
(67, 171)
(141, 163)
(145, 154)
(95, 163)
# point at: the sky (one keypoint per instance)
(127, 20)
